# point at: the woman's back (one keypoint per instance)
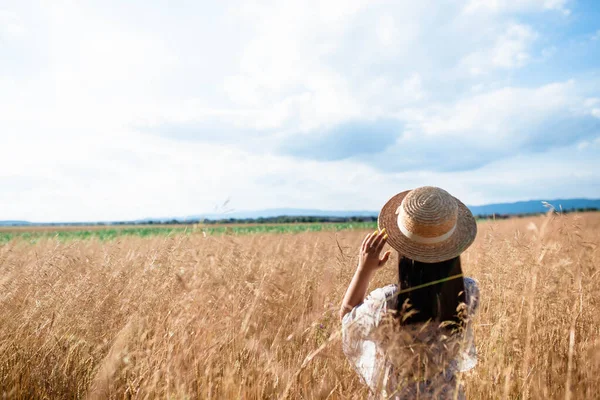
(410, 361)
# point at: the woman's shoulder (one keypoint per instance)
(471, 284)
(376, 302)
(472, 293)
(384, 292)
(383, 297)
(387, 294)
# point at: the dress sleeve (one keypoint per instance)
(365, 316)
(468, 357)
(472, 296)
(357, 325)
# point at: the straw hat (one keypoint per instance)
(427, 224)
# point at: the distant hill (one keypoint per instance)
(534, 206)
(520, 207)
(14, 223)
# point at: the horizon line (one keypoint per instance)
(212, 215)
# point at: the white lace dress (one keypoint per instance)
(368, 359)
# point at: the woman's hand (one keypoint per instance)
(368, 263)
(369, 255)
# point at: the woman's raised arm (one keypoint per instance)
(368, 262)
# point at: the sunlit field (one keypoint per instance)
(190, 315)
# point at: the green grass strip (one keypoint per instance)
(145, 231)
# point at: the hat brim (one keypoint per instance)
(461, 239)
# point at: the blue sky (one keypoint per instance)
(155, 108)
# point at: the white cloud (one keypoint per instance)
(123, 112)
(387, 31)
(511, 50)
(10, 25)
(502, 112)
(101, 180)
(505, 6)
(283, 63)
(589, 144)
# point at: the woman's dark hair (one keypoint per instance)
(437, 302)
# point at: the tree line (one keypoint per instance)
(284, 219)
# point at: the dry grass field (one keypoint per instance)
(255, 316)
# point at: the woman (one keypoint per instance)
(411, 339)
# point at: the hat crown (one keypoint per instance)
(428, 212)
(427, 224)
